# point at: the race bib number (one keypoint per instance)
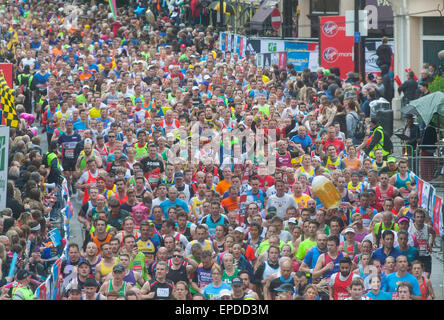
(163, 292)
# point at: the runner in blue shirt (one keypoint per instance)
(393, 279)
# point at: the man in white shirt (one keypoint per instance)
(281, 200)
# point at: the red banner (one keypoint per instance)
(6, 68)
(336, 49)
(436, 214)
(419, 187)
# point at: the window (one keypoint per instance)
(433, 26)
(321, 8)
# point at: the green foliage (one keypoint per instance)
(437, 84)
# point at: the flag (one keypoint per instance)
(44, 290)
(9, 115)
(56, 285)
(113, 7)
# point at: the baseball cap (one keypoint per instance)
(178, 175)
(206, 77)
(85, 87)
(183, 45)
(122, 158)
(236, 282)
(391, 159)
(272, 210)
(205, 82)
(88, 141)
(347, 230)
(403, 219)
(195, 88)
(293, 221)
(118, 268)
(239, 229)
(285, 287)
(137, 100)
(84, 261)
(23, 274)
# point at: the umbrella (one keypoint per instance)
(427, 106)
(228, 9)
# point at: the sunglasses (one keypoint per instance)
(177, 256)
(111, 136)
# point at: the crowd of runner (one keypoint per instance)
(138, 121)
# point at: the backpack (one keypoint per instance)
(359, 132)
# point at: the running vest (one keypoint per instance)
(422, 237)
(403, 183)
(354, 165)
(327, 260)
(423, 288)
(350, 251)
(130, 278)
(381, 195)
(330, 165)
(376, 167)
(141, 152)
(49, 119)
(147, 248)
(104, 270)
(340, 288)
(102, 152)
(51, 156)
(122, 290)
(310, 173)
(379, 145)
(212, 225)
(269, 270)
(98, 242)
(283, 160)
(90, 179)
(82, 164)
(26, 292)
(195, 206)
(296, 162)
(206, 246)
(366, 218)
(355, 190)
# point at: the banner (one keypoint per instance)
(298, 55)
(371, 57)
(222, 44)
(272, 46)
(266, 60)
(428, 200)
(254, 46)
(336, 48)
(6, 69)
(437, 215)
(240, 43)
(4, 155)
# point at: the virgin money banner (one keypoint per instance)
(336, 48)
(437, 215)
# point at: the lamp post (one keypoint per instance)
(221, 12)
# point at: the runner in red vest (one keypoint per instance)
(340, 281)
